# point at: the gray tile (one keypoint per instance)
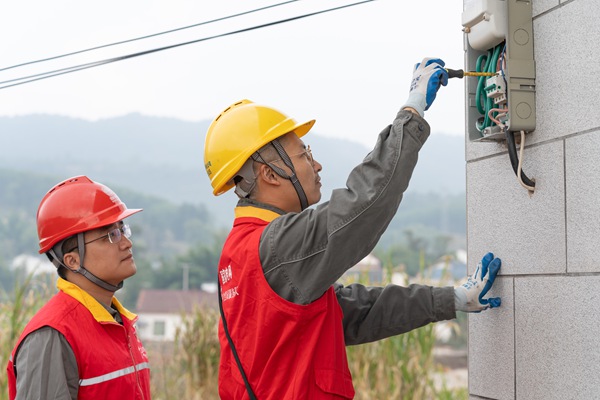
(540, 6)
(475, 150)
(565, 62)
(491, 346)
(566, 59)
(557, 337)
(582, 156)
(526, 232)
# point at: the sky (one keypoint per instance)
(349, 69)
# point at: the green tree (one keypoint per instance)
(414, 251)
(200, 261)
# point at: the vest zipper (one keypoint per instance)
(137, 375)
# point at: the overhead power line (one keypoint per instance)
(62, 71)
(149, 36)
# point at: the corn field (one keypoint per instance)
(400, 367)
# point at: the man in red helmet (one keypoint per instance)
(285, 321)
(82, 344)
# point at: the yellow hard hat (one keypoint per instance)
(239, 131)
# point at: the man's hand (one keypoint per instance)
(428, 76)
(469, 296)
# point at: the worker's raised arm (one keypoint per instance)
(303, 254)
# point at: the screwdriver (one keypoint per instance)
(459, 73)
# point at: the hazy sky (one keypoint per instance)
(348, 69)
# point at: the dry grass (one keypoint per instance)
(400, 367)
(188, 368)
(16, 309)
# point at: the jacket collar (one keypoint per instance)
(98, 311)
(251, 208)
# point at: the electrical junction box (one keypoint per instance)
(498, 39)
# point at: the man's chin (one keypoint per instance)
(318, 199)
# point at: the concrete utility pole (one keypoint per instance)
(186, 277)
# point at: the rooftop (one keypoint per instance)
(174, 301)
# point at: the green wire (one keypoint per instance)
(482, 59)
(485, 104)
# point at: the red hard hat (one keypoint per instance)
(77, 205)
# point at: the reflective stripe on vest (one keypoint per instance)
(113, 375)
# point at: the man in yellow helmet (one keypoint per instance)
(285, 321)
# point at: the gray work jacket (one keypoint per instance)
(303, 254)
(46, 365)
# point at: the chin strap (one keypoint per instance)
(57, 261)
(292, 178)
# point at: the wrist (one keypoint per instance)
(416, 101)
(460, 299)
(412, 110)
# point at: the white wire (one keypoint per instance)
(521, 147)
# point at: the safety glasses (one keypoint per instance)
(115, 235)
(306, 152)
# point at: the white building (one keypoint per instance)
(370, 267)
(33, 264)
(160, 311)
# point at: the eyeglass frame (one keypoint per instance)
(123, 230)
(306, 152)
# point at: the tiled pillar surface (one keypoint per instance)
(544, 342)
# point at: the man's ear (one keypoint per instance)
(267, 175)
(71, 260)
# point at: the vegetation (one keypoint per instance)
(16, 309)
(188, 369)
(168, 273)
(170, 237)
(167, 236)
(164, 230)
(411, 251)
(400, 367)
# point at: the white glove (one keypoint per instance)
(428, 76)
(469, 296)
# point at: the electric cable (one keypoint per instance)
(482, 59)
(149, 36)
(62, 71)
(527, 183)
(515, 162)
(501, 67)
(520, 174)
(500, 112)
(486, 63)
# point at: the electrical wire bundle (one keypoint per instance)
(494, 108)
(491, 62)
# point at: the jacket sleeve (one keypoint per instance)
(303, 254)
(374, 313)
(46, 367)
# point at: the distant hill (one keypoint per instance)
(163, 229)
(163, 157)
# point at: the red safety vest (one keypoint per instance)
(111, 360)
(287, 350)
